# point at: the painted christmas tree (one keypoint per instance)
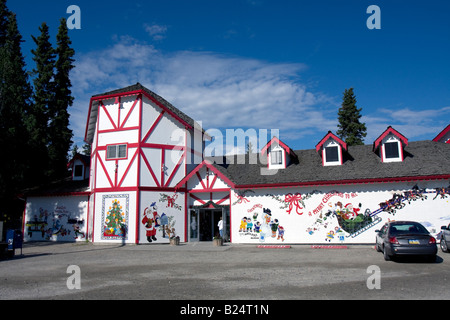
(115, 221)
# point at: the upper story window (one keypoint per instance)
(78, 170)
(279, 155)
(332, 154)
(276, 157)
(390, 145)
(391, 150)
(118, 151)
(331, 149)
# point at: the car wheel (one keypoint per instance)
(385, 254)
(377, 247)
(444, 246)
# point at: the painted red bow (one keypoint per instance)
(294, 200)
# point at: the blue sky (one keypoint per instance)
(262, 64)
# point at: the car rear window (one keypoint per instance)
(407, 228)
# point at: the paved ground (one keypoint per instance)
(203, 272)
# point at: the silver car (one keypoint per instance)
(445, 238)
(397, 238)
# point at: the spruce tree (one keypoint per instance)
(60, 133)
(44, 57)
(351, 130)
(4, 13)
(15, 94)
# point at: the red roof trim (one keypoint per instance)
(280, 143)
(389, 130)
(334, 137)
(442, 134)
(132, 93)
(197, 169)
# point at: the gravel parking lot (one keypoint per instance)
(199, 271)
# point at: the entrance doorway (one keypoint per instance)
(208, 224)
(203, 224)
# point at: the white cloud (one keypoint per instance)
(226, 91)
(414, 124)
(219, 90)
(155, 31)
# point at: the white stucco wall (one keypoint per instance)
(56, 219)
(332, 214)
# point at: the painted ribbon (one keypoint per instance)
(294, 200)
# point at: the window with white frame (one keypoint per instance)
(276, 157)
(118, 151)
(331, 154)
(392, 150)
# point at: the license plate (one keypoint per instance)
(414, 242)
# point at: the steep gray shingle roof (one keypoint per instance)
(164, 102)
(92, 117)
(422, 159)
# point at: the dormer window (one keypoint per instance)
(80, 165)
(276, 157)
(390, 145)
(332, 154)
(279, 155)
(391, 150)
(330, 149)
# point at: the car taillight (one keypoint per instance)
(432, 240)
(393, 240)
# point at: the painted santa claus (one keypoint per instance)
(151, 221)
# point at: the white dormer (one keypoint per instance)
(80, 165)
(443, 136)
(331, 150)
(277, 158)
(390, 145)
(279, 155)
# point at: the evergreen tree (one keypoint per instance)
(4, 13)
(44, 57)
(351, 130)
(60, 133)
(15, 94)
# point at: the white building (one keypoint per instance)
(149, 180)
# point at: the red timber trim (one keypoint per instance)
(132, 93)
(389, 130)
(442, 134)
(344, 182)
(332, 136)
(107, 114)
(210, 167)
(208, 188)
(280, 143)
(138, 174)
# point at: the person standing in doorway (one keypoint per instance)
(220, 225)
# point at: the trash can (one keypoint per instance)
(14, 239)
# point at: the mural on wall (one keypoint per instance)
(115, 217)
(60, 224)
(261, 226)
(160, 223)
(331, 216)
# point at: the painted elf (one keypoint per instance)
(151, 222)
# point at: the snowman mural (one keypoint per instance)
(266, 229)
(151, 221)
